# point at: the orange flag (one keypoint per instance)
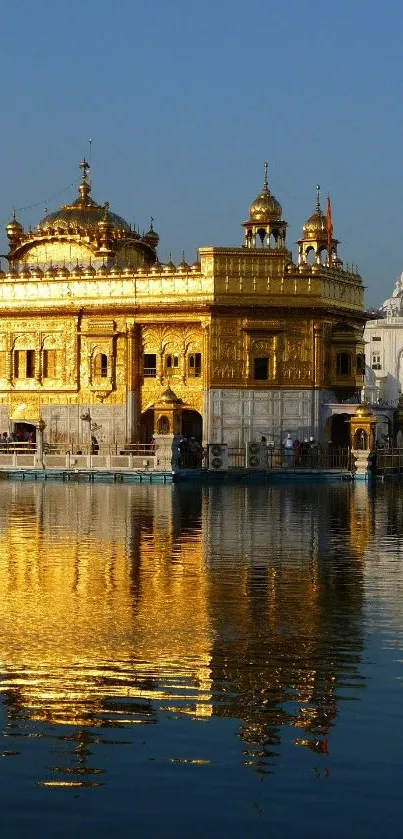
(329, 229)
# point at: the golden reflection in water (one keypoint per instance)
(303, 579)
(120, 601)
(79, 622)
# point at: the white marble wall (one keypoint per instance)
(236, 416)
(385, 383)
(64, 423)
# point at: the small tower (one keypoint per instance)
(105, 232)
(168, 413)
(167, 430)
(14, 232)
(151, 238)
(265, 227)
(362, 438)
(316, 241)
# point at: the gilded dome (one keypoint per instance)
(265, 207)
(363, 411)
(82, 214)
(151, 237)
(14, 229)
(169, 397)
(315, 226)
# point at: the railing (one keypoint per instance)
(17, 446)
(237, 458)
(313, 457)
(142, 456)
(310, 457)
(136, 449)
(388, 460)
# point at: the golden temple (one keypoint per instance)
(251, 342)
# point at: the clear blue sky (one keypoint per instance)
(184, 101)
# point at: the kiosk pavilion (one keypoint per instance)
(94, 327)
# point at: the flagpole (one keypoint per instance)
(329, 230)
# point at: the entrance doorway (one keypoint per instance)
(192, 425)
(147, 426)
(340, 430)
(24, 432)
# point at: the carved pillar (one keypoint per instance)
(277, 353)
(133, 346)
(317, 355)
(38, 362)
(40, 427)
(9, 363)
(206, 355)
(89, 367)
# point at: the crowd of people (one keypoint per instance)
(300, 453)
(9, 439)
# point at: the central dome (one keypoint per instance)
(84, 213)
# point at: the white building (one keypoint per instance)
(384, 356)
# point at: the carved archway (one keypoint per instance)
(192, 425)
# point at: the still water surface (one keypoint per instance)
(190, 662)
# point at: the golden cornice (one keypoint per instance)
(229, 277)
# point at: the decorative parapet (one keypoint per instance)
(235, 277)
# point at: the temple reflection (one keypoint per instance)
(122, 602)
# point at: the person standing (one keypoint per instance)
(288, 444)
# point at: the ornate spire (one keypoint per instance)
(85, 187)
(266, 181)
(84, 165)
(318, 208)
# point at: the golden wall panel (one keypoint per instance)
(227, 355)
(287, 344)
(180, 340)
(56, 253)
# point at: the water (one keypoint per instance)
(178, 661)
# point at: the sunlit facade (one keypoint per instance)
(252, 342)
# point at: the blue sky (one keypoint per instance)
(184, 101)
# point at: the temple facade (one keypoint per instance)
(94, 329)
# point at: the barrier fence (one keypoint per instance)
(317, 457)
(143, 456)
(388, 460)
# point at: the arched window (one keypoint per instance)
(149, 365)
(163, 425)
(360, 439)
(24, 364)
(195, 364)
(360, 363)
(101, 365)
(310, 255)
(171, 361)
(343, 364)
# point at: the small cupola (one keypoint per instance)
(265, 227)
(317, 245)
